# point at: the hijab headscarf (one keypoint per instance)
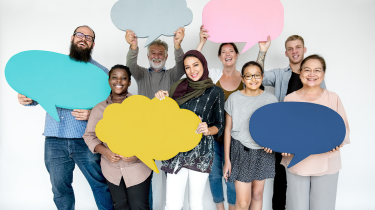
(186, 89)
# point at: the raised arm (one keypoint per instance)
(263, 47)
(132, 56)
(203, 36)
(178, 70)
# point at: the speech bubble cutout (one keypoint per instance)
(298, 128)
(148, 129)
(54, 80)
(151, 18)
(247, 21)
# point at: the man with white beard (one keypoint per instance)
(156, 77)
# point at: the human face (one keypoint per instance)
(253, 72)
(157, 57)
(193, 68)
(228, 55)
(312, 73)
(295, 51)
(82, 43)
(119, 81)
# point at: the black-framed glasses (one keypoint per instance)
(87, 37)
(250, 76)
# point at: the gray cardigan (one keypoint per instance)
(150, 82)
(279, 79)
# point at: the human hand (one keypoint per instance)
(128, 159)
(203, 128)
(113, 157)
(81, 114)
(263, 46)
(22, 99)
(203, 35)
(268, 150)
(285, 154)
(161, 94)
(227, 170)
(179, 36)
(336, 149)
(132, 39)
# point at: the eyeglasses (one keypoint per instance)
(309, 71)
(81, 35)
(250, 76)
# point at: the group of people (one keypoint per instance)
(224, 99)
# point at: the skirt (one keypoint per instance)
(250, 164)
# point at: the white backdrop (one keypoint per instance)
(342, 31)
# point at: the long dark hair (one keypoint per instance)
(253, 63)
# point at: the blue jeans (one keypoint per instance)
(216, 178)
(60, 157)
(150, 199)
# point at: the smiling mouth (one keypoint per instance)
(311, 79)
(228, 59)
(82, 44)
(194, 75)
(119, 86)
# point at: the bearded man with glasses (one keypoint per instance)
(64, 145)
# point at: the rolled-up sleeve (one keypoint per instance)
(219, 113)
(90, 137)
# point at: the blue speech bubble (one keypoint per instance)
(54, 80)
(151, 18)
(298, 128)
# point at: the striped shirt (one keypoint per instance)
(68, 127)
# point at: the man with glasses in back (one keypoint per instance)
(64, 145)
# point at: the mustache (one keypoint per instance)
(157, 60)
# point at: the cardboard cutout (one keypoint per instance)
(54, 80)
(149, 129)
(298, 128)
(151, 18)
(247, 21)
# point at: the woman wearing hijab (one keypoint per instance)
(198, 94)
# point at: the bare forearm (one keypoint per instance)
(100, 148)
(200, 46)
(261, 58)
(213, 130)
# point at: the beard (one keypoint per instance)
(157, 67)
(79, 54)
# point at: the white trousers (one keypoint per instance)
(176, 184)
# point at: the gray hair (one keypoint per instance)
(159, 43)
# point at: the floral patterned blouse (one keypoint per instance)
(210, 107)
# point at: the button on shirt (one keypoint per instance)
(68, 127)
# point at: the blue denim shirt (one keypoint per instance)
(68, 127)
(279, 79)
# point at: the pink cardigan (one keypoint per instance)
(326, 163)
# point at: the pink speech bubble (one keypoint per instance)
(247, 21)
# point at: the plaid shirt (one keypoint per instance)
(68, 127)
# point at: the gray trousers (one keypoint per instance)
(311, 192)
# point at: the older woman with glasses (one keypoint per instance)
(312, 183)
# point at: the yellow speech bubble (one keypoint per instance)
(149, 129)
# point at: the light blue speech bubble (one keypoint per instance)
(54, 80)
(151, 18)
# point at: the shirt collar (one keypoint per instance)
(149, 70)
(288, 68)
(109, 99)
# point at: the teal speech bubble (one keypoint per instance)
(54, 80)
